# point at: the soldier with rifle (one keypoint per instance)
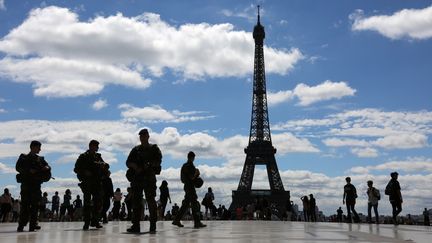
(89, 168)
(144, 163)
(33, 171)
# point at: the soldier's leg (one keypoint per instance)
(137, 196)
(150, 193)
(86, 208)
(25, 207)
(35, 197)
(97, 208)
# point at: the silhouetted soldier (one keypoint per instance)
(89, 170)
(144, 163)
(393, 189)
(190, 178)
(373, 197)
(349, 197)
(33, 171)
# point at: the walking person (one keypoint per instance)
(207, 202)
(66, 206)
(373, 198)
(164, 197)
(33, 171)
(144, 163)
(189, 177)
(349, 197)
(393, 190)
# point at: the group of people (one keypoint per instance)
(393, 190)
(143, 163)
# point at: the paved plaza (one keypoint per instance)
(220, 231)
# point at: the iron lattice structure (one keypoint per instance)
(260, 150)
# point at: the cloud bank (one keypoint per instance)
(51, 50)
(406, 23)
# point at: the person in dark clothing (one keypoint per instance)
(393, 189)
(189, 173)
(312, 206)
(426, 219)
(349, 197)
(55, 205)
(128, 202)
(339, 214)
(144, 163)
(66, 205)
(164, 197)
(174, 210)
(107, 192)
(306, 208)
(89, 169)
(33, 171)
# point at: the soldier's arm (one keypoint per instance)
(131, 160)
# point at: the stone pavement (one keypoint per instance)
(220, 231)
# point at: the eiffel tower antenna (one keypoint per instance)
(260, 150)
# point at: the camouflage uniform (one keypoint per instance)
(148, 159)
(89, 170)
(30, 188)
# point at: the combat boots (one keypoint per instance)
(134, 229)
(152, 227)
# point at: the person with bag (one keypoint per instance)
(349, 197)
(373, 198)
(393, 190)
(144, 163)
(33, 171)
(89, 169)
(189, 176)
(207, 201)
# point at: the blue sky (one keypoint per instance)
(348, 85)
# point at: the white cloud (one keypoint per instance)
(367, 130)
(288, 143)
(308, 95)
(403, 141)
(5, 169)
(279, 97)
(337, 142)
(410, 23)
(64, 63)
(365, 152)
(2, 110)
(419, 165)
(325, 91)
(99, 104)
(154, 114)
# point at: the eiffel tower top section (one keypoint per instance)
(260, 126)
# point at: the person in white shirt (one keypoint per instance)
(373, 198)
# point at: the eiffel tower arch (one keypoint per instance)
(260, 150)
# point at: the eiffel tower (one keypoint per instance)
(260, 150)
